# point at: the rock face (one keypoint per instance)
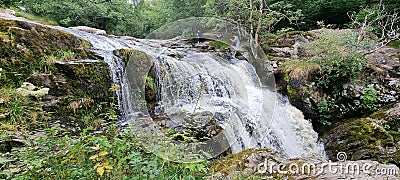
(266, 164)
(376, 137)
(354, 130)
(71, 78)
(381, 72)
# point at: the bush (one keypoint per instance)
(369, 99)
(8, 3)
(338, 55)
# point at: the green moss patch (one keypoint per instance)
(363, 138)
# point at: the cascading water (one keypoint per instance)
(251, 116)
(231, 90)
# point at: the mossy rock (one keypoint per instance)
(235, 162)
(79, 78)
(290, 38)
(138, 67)
(23, 44)
(373, 138)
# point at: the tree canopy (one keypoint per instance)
(140, 17)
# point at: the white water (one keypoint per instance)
(251, 116)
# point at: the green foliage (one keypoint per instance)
(49, 60)
(380, 17)
(369, 99)
(111, 154)
(19, 110)
(337, 71)
(35, 18)
(394, 44)
(247, 14)
(114, 16)
(325, 108)
(8, 3)
(284, 30)
(337, 54)
(219, 45)
(117, 16)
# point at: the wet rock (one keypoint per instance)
(90, 30)
(202, 125)
(10, 12)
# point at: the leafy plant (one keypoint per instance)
(66, 55)
(17, 109)
(325, 108)
(369, 99)
(337, 54)
(114, 154)
(219, 45)
(101, 165)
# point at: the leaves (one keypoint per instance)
(100, 171)
(94, 156)
(101, 167)
(4, 160)
(97, 147)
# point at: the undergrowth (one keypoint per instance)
(106, 154)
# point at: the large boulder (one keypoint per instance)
(376, 137)
(68, 79)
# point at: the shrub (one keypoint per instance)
(337, 53)
(369, 99)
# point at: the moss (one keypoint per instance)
(24, 44)
(23, 48)
(219, 45)
(394, 44)
(233, 162)
(361, 138)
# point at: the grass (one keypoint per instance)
(394, 44)
(300, 69)
(35, 18)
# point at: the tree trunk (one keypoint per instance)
(257, 34)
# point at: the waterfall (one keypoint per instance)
(250, 115)
(231, 89)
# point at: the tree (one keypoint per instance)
(379, 20)
(114, 16)
(258, 17)
(8, 3)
